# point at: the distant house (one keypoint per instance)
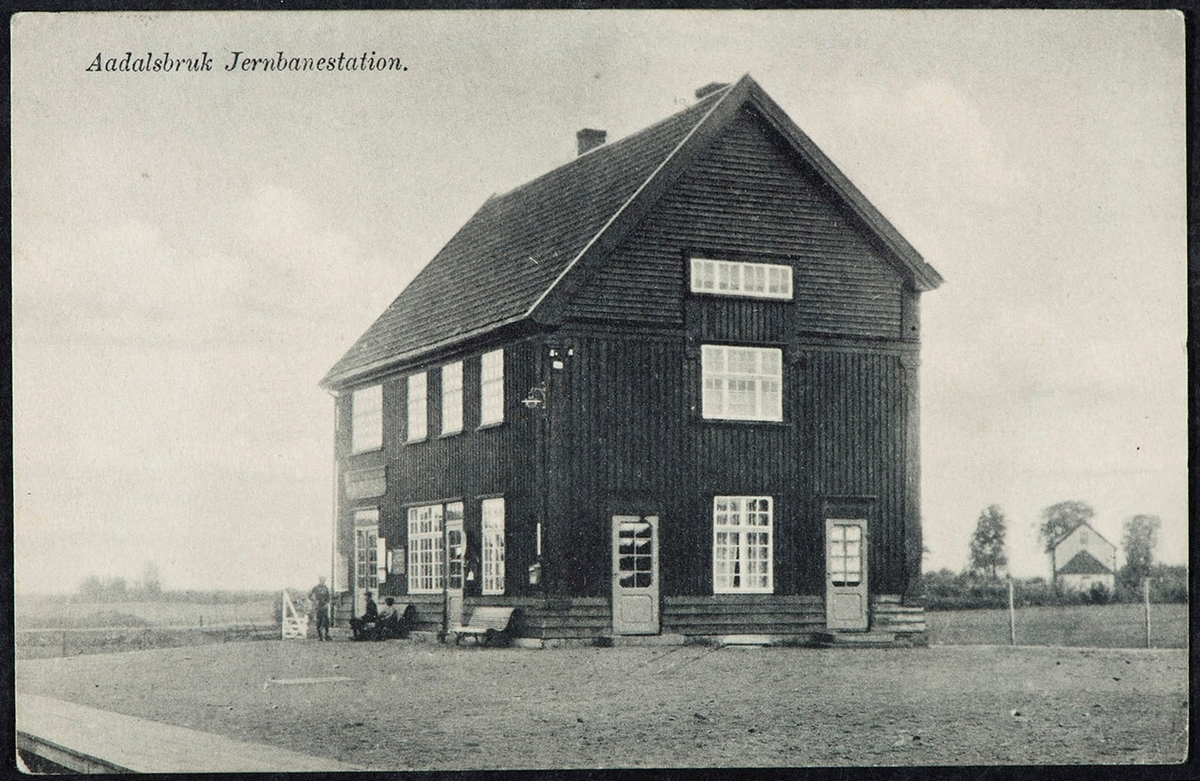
(1082, 558)
(669, 387)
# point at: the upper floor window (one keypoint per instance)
(742, 383)
(452, 398)
(491, 388)
(734, 278)
(366, 419)
(418, 419)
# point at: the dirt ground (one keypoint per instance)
(413, 705)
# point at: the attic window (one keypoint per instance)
(734, 278)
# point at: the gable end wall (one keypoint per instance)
(749, 198)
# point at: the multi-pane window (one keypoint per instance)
(366, 419)
(845, 554)
(733, 278)
(493, 546)
(428, 565)
(742, 383)
(366, 553)
(491, 388)
(418, 418)
(426, 549)
(742, 544)
(452, 398)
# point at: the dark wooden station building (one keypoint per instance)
(668, 388)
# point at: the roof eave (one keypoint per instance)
(374, 369)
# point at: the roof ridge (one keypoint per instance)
(605, 147)
(687, 137)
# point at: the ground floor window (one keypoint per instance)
(426, 549)
(742, 560)
(493, 546)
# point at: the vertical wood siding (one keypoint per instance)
(748, 197)
(859, 418)
(476, 462)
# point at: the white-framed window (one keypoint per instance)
(452, 398)
(742, 560)
(734, 278)
(493, 545)
(366, 551)
(366, 419)
(418, 417)
(742, 383)
(426, 549)
(491, 388)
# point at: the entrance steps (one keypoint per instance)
(871, 639)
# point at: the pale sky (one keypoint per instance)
(192, 251)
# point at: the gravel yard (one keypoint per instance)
(411, 705)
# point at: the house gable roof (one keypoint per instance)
(1076, 528)
(1084, 563)
(524, 253)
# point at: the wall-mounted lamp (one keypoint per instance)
(536, 398)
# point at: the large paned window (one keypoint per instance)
(491, 388)
(418, 417)
(742, 383)
(493, 546)
(742, 545)
(426, 549)
(452, 398)
(733, 278)
(366, 419)
(427, 561)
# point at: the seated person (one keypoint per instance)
(389, 620)
(368, 625)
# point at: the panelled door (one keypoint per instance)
(456, 551)
(635, 589)
(846, 573)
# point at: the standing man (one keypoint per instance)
(319, 597)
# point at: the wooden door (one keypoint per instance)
(366, 557)
(846, 602)
(635, 607)
(456, 551)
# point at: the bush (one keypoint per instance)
(1098, 594)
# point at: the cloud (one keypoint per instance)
(268, 266)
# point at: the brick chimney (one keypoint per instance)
(589, 139)
(710, 88)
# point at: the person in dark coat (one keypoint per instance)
(369, 623)
(319, 597)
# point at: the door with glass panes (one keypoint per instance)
(366, 557)
(846, 573)
(456, 551)
(635, 589)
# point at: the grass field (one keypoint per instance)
(1098, 626)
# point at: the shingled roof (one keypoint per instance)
(524, 253)
(1084, 563)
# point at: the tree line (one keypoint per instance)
(981, 581)
(149, 588)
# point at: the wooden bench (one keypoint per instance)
(485, 624)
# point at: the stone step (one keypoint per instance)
(871, 639)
